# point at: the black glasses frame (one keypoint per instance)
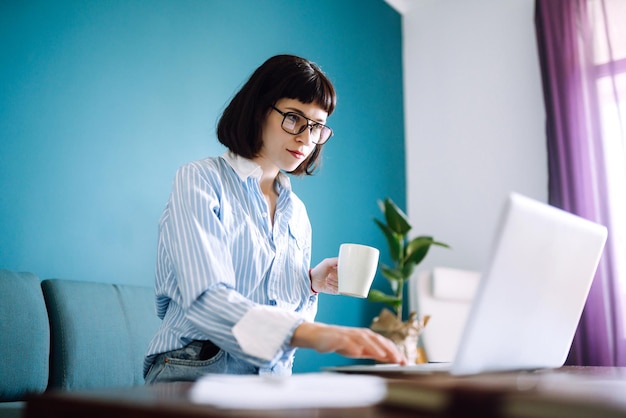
(310, 124)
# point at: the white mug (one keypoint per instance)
(356, 269)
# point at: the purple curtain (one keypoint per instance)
(577, 177)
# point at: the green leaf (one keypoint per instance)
(417, 249)
(396, 219)
(378, 296)
(393, 241)
(407, 270)
(394, 276)
(391, 274)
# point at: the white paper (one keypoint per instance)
(306, 390)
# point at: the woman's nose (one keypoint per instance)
(306, 136)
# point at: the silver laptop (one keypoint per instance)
(531, 295)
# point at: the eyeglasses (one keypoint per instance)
(295, 124)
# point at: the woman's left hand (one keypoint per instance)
(324, 277)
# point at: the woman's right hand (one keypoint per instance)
(347, 341)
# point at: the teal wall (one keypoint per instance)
(101, 101)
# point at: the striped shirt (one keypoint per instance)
(224, 273)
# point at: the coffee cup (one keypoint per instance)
(356, 269)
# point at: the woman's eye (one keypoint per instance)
(292, 118)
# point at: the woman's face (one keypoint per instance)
(282, 150)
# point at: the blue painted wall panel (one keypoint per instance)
(101, 101)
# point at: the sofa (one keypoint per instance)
(59, 334)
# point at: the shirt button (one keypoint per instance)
(264, 215)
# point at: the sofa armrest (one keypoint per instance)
(24, 336)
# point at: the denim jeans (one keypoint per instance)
(192, 362)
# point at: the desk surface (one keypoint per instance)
(563, 392)
(171, 400)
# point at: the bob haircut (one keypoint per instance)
(281, 76)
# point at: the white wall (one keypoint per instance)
(474, 119)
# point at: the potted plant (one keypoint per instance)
(405, 254)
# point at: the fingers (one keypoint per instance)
(365, 343)
(347, 341)
(375, 346)
(332, 281)
(331, 263)
(324, 276)
(332, 284)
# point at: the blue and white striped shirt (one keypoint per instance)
(220, 259)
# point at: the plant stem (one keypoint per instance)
(400, 291)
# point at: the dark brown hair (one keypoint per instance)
(280, 77)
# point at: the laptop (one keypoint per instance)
(530, 297)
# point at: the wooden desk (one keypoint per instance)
(170, 400)
(566, 392)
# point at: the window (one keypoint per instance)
(610, 71)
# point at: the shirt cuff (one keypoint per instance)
(261, 332)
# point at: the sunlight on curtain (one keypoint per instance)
(610, 65)
(582, 50)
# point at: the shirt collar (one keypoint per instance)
(247, 168)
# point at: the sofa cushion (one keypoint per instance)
(138, 304)
(24, 336)
(100, 333)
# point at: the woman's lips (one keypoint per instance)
(296, 154)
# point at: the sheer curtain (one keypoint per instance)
(582, 51)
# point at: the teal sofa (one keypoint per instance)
(69, 335)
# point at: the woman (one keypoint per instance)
(233, 284)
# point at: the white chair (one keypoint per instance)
(446, 295)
